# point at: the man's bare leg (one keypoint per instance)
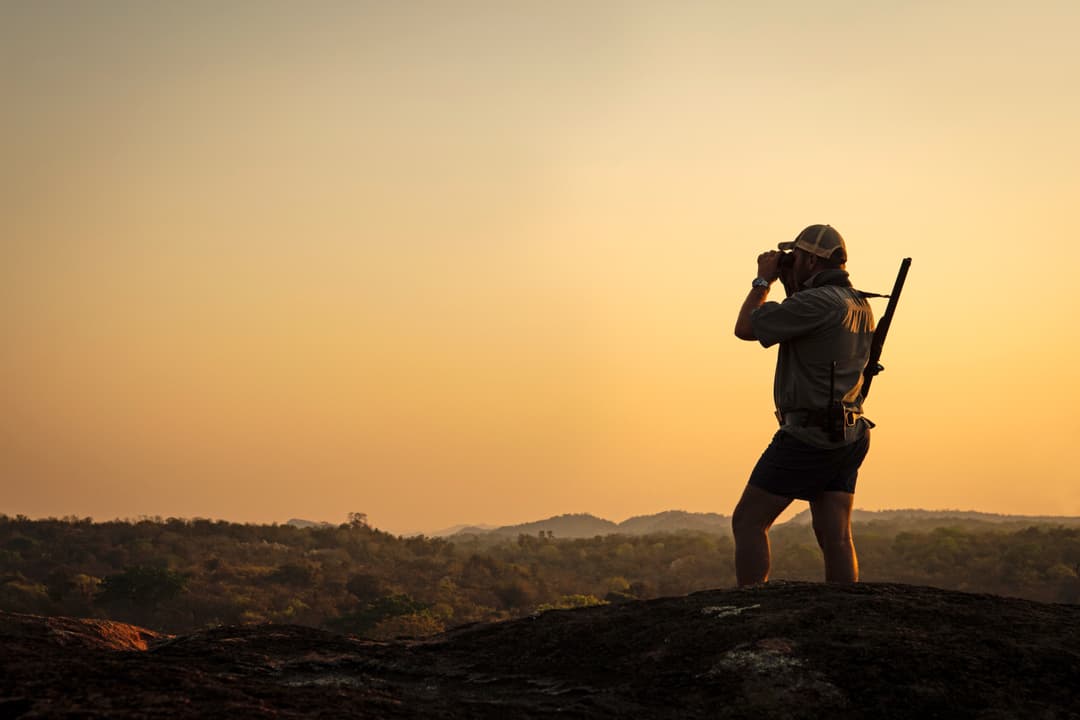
(750, 522)
(832, 525)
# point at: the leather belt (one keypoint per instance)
(813, 417)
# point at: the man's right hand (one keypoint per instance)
(768, 265)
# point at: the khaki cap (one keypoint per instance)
(820, 240)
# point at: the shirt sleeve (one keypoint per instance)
(776, 322)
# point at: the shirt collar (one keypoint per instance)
(832, 276)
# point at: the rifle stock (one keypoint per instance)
(873, 366)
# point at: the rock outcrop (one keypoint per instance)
(792, 650)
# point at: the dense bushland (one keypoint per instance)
(178, 575)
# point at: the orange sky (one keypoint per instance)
(480, 261)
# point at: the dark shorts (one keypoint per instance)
(791, 468)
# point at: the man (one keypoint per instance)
(824, 329)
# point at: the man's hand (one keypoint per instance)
(768, 268)
(768, 265)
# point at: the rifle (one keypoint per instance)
(873, 367)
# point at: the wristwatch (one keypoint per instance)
(761, 283)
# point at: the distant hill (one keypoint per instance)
(463, 529)
(922, 517)
(300, 523)
(571, 525)
(584, 525)
(674, 521)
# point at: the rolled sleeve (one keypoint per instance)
(776, 322)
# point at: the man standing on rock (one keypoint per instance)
(824, 329)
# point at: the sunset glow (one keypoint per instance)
(479, 262)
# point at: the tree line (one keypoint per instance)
(177, 575)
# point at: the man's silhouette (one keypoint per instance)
(824, 328)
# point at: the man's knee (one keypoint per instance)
(743, 522)
(831, 519)
(748, 521)
(832, 536)
(838, 540)
(756, 511)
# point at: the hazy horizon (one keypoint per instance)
(476, 260)
(795, 509)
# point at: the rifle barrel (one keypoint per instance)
(882, 330)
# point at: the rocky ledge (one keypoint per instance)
(793, 650)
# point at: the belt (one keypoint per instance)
(817, 417)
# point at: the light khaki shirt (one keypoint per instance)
(820, 323)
